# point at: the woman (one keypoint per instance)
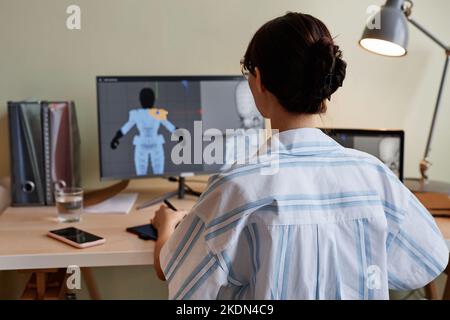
(332, 223)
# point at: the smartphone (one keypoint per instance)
(144, 232)
(76, 237)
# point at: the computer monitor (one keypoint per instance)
(137, 116)
(386, 145)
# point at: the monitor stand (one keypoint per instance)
(182, 190)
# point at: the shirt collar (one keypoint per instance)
(304, 141)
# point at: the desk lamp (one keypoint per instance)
(391, 39)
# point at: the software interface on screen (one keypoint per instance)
(385, 146)
(147, 110)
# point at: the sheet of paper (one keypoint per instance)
(119, 204)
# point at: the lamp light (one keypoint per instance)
(391, 38)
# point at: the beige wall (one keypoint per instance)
(41, 59)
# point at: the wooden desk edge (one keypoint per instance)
(94, 259)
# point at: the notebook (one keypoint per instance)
(119, 204)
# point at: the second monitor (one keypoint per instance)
(137, 116)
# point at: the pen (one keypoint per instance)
(170, 205)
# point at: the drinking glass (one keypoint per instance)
(69, 204)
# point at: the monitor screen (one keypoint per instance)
(139, 116)
(388, 146)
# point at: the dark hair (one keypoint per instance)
(298, 61)
(147, 98)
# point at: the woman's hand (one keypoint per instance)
(166, 219)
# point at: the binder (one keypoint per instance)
(45, 150)
(61, 147)
(26, 153)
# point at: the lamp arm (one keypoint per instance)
(425, 164)
(436, 110)
(429, 35)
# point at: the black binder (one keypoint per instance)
(27, 166)
(45, 150)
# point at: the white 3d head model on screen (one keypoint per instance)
(246, 107)
(148, 143)
(251, 120)
(389, 149)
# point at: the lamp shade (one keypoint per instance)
(390, 37)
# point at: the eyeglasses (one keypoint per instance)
(244, 70)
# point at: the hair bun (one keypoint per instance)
(298, 62)
(327, 68)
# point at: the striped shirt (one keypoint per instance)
(332, 223)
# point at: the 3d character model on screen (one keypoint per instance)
(148, 143)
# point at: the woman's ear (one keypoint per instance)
(259, 85)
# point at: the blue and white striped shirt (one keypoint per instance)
(332, 223)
